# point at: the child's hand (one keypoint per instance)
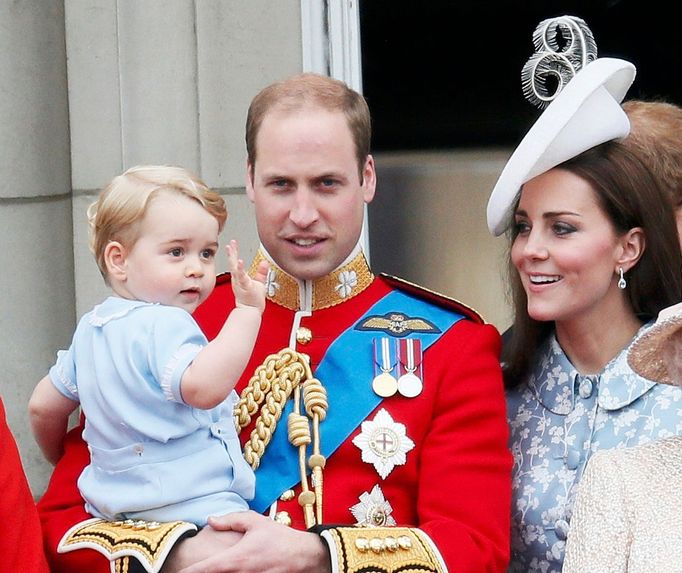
(247, 291)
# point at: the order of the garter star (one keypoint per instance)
(383, 443)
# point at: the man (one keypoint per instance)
(408, 416)
(20, 543)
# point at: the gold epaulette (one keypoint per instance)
(382, 550)
(148, 542)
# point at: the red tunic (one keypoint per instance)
(21, 547)
(455, 485)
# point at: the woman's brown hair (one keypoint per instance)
(630, 196)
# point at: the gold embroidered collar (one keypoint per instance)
(347, 281)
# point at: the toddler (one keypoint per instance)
(157, 397)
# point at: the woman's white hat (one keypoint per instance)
(586, 112)
(650, 353)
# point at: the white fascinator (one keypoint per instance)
(581, 112)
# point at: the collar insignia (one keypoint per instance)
(398, 324)
(338, 286)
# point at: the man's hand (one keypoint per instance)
(204, 544)
(266, 546)
(247, 291)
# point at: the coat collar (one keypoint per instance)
(114, 307)
(555, 380)
(348, 280)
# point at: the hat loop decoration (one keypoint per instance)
(563, 46)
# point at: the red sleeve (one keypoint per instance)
(21, 547)
(465, 469)
(61, 507)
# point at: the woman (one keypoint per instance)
(593, 257)
(626, 516)
(595, 254)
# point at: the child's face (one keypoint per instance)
(173, 260)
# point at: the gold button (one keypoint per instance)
(391, 543)
(303, 335)
(288, 495)
(283, 518)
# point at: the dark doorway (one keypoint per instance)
(444, 74)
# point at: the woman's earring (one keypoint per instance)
(621, 281)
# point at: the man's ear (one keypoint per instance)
(633, 244)
(115, 259)
(369, 179)
(250, 172)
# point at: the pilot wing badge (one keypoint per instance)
(397, 324)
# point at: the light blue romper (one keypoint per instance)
(152, 456)
(558, 419)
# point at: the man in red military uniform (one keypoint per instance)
(392, 395)
(21, 547)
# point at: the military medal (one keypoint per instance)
(383, 443)
(385, 360)
(410, 356)
(373, 509)
(385, 385)
(410, 385)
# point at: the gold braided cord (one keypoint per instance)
(299, 436)
(260, 383)
(315, 399)
(280, 376)
(298, 430)
(315, 403)
(266, 393)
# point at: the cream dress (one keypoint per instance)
(628, 513)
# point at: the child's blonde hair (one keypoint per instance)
(117, 212)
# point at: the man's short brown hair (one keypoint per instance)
(311, 90)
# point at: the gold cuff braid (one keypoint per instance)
(121, 565)
(382, 550)
(148, 542)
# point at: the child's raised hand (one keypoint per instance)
(247, 291)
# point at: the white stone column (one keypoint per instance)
(169, 82)
(159, 81)
(36, 259)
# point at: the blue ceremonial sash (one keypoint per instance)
(346, 371)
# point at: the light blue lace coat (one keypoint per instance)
(558, 419)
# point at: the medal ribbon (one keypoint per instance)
(346, 372)
(385, 355)
(410, 356)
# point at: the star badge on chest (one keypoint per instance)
(383, 443)
(373, 509)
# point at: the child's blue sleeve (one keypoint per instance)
(63, 375)
(174, 347)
